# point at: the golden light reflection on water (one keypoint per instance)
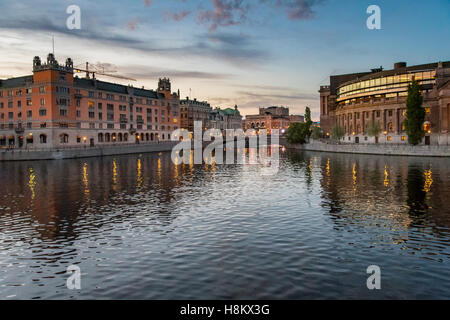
(85, 179)
(159, 170)
(328, 167)
(428, 180)
(139, 177)
(355, 177)
(114, 175)
(32, 183)
(386, 176)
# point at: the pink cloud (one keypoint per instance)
(177, 16)
(224, 13)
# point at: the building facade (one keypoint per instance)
(193, 110)
(272, 118)
(54, 109)
(357, 101)
(228, 118)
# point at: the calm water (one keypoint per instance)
(141, 227)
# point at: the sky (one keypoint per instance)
(253, 53)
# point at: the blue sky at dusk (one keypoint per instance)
(250, 53)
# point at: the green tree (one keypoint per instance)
(308, 122)
(415, 114)
(296, 133)
(316, 132)
(337, 132)
(300, 132)
(374, 129)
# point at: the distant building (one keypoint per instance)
(359, 100)
(272, 118)
(53, 109)
(226, 118)
(193, 110)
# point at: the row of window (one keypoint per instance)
(390, 113)
(19, 92)
(386, 81)
(110, 107)
(42, 112)
(108, 96)
(29, 103)
(29, 139)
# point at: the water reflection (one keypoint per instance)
(140, 226)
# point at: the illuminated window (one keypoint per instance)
(391, 127)
(427, 110)
(389, 138)
(403, 138)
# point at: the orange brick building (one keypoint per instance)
(272, 118)
(54, 109)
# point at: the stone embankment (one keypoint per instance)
(72, 153)
(381, 149)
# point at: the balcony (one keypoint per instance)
(19, 130)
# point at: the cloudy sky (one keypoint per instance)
(247, 52)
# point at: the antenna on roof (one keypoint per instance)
(53, 44)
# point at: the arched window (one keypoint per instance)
(163, 136)
(113, 137)
(125, 137)
(64, 138)
(100, 137)
(152, 136)
(391, 127)
(43, 138)
(107, 137)
(120, 137)
(427, 127)
(30, 139)
(142, 137)
(147, 136)
(168, 136)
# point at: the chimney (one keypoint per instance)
(399, 65)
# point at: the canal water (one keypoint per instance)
(140, 227)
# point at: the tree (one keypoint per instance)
(308, 122)
(374, 129)
(415, 114)
(300, 132)
(296, 133)
(316, 132)
(337, 132)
